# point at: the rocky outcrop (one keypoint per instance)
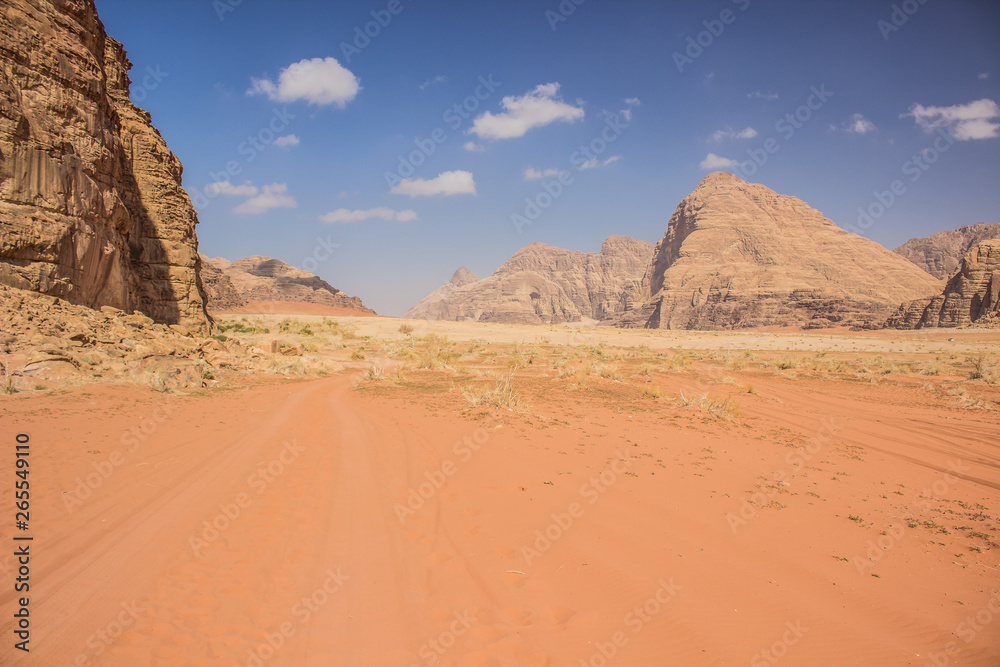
(738, 255)
(437, 305)
(941, 254)
(45, 339)
(971, 297)
(220, 292)
(233, 284)
(91, 204)
(541, 284)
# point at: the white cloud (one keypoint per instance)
(595, 163)
(440, 78)
(320, 81)
(271, 196)
(473, 147)
(729, 133)
(967, 122)
(760, 95)
(532, 174)
(632, 101)
(984, 75)
(714, 161)
(227, 188)
(286, 141)
(537, 108)
(446, 185)
(860, 125)
(345, 216)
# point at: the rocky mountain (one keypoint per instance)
(91, 204)
(541, 284)
(972, 296)
(942, 254)
(221, 294)
(233, 284)
(437, 305)
(739, 255)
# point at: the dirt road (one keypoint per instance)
(305, 524)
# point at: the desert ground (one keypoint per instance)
(396, 493)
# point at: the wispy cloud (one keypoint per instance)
(859, 125)
(227, 188)
(473, 147)
(595, 163)
(448, 184)
(345, 216)
(714, 161)
(984, 75)
(967, 122)
(538, 108)
(440, 78)
(532, 174)
(287, 141)
(761, 95)
(320, 81)
(270, 196)
(729, 133)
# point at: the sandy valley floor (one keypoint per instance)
(491, 496)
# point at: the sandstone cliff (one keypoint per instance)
(739, 255)
(221, 295)
(972, 296)
(91, 204)
(941, 254)
(232, 284)
(541, 284)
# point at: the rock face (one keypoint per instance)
(232, 284)
(91, 204)
(220, 292)
(941, 254)
(971, 297)
(541, 284)
(738, 255)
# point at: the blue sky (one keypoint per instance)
(309, 130)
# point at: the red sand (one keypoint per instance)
(588, 526)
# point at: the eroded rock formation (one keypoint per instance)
(541, 284)
(738, 255)
(232, 284)
(971, 297)
(941, 254)
(91, 204)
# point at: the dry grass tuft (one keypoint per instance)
(502, 395)
(721, 408)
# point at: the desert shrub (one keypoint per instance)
(406, 329)
(984, 367)
(606, 371)
(652, 391)
(721, 408)
(501, 395)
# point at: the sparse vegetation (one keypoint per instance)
(502, 395)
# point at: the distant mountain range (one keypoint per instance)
(734, 255)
